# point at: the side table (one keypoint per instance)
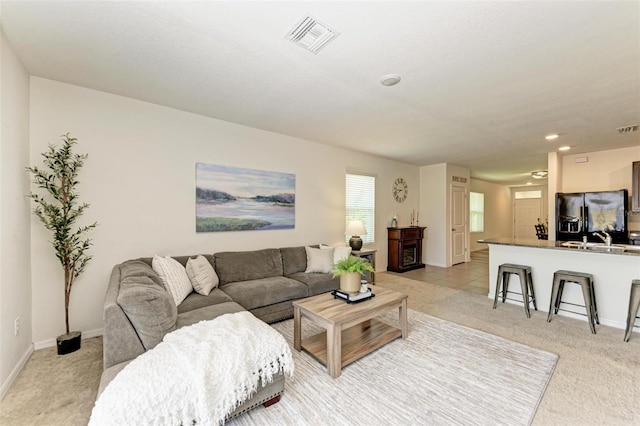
(370, 256)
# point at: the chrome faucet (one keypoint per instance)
(606, 238)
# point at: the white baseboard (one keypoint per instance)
(16, 370)
(42, 344)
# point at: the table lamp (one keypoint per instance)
(355, 228)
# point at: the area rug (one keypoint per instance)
(443, 374)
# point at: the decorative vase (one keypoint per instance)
(68, 343)
(350, 282)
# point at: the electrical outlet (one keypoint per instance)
(16, 326)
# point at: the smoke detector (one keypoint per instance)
(311, 34)
(390, 79)
(627, 129)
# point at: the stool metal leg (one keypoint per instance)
(524, 284)
(533, 294)
(587, 292)
(505, 285)
(634, 304)
(498, 282)
(559, 298)
(554, 298)
(595, 305)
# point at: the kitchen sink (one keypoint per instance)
(609, 249)
(578, 244)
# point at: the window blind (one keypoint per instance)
(476, 212)
(361, 204)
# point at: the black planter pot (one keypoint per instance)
(68, 343)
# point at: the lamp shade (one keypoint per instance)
(356, 227)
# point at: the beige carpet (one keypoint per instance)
(596, 380)
(443, 373)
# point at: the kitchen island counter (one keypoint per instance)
(562, 245)
(612, 271)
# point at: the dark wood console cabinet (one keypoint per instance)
(405, 248)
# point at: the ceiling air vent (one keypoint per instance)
(311, 34)
(627, 129)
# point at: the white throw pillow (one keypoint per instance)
(339, 253)
(173, 276)
(319, 260)
(202, 275)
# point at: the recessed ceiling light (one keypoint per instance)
(564, 148)
(529, 183)
(390, 79)
(552, 136)
(541, 174)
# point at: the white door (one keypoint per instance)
(526, 214)
(458, 224)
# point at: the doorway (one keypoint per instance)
(527, 213)
(458, 224)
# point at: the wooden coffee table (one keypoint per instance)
(351, 329)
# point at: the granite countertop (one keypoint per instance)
(558, 245)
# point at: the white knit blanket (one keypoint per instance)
(198, 373)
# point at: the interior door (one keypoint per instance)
(527, 211)
(458, 224)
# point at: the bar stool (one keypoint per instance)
(588, 292)
(526, 284)
(634, 304)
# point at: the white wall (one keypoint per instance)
(498, 212)
(435, 206)
(604, 171)
(15, 280)
(140, 177)
(554, 185)
(433, 213)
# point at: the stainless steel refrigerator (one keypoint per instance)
(583, 213)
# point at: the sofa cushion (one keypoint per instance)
(294, 259)
(317, 283)
(196, 301)
(339, 253)
(173, 276)
(201, 274)
(149, 307)
(207, 313)
(319, 260)
(265, 291)
(274, 313)
(137, 268)
(248, 265)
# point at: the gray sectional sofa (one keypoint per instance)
(139, 311)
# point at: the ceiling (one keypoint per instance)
(482, 82)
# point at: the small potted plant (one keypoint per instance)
(58, 211)
(350, 270)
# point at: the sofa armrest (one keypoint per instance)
(120, 340)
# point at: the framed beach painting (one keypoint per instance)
(237, 199)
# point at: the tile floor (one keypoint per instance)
(471, 276)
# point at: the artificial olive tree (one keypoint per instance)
(59, 209)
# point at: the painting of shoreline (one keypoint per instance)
(237, 199)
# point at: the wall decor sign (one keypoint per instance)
(237, 199)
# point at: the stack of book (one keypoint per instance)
(352, 297)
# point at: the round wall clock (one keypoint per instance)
(400, 190)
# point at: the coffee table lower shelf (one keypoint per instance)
(357, 341)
